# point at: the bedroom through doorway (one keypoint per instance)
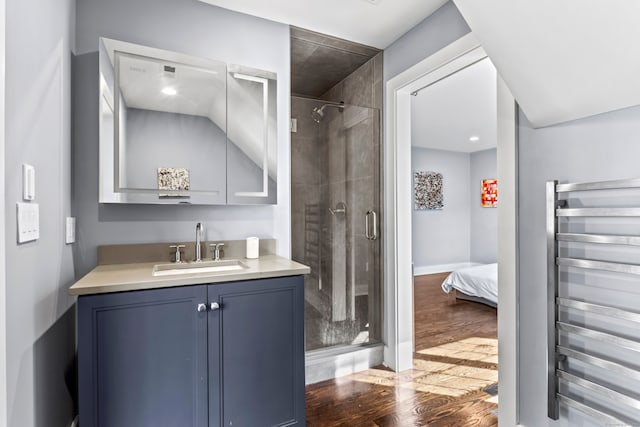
(454, 237)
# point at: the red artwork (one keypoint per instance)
(489, 193)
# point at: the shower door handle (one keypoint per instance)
(367, 225)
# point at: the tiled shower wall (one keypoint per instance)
(363, 87)
(339, 161)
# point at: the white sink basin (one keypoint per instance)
(199, 267)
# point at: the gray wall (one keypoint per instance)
(443, 236)
(440, 29)
(603, 147)
(193, 28)
(39, 312)
(484, 221)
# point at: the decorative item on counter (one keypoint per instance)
(173, 179)
(489, 193)
(253, 247)
(428, 194)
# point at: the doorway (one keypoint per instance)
(398, 196)
(454, 237)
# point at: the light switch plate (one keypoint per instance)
(70, 230)
(28, 222)
(28, 182)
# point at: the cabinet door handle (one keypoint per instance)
(215, 306)
(202, 307)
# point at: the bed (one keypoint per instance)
(478, 283)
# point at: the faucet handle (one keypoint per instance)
(216, 252)
(178, 255)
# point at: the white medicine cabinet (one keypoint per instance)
(178, 129)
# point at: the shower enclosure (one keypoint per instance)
(335, 167)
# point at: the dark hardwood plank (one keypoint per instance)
(455, 359)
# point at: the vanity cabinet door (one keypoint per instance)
(257, 339)
(142, 358)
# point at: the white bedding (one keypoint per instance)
(479, 281)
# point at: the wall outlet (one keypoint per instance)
(70, 236)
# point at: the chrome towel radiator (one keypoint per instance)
(593, 369)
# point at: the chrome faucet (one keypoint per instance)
(217, 247)
(199, 230)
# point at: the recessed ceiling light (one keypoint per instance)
(474, 139)
(169, 91)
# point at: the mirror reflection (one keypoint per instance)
(172, 120)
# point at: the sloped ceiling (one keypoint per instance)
(562, 60)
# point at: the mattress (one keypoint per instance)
(478, 281)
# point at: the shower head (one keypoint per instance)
(318, 112)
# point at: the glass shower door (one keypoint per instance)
(358, 149)
(336, 217)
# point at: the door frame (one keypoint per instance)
(398, 289)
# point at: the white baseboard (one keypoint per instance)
(442, 268)
(323, 365)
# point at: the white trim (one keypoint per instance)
(508, 257)
(398, 312)
(397, 180)
(265, 133)
(442, 268)
(327, 364)
(4, 416)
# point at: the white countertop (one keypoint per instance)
(131, 277)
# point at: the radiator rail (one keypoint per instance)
(560, 356)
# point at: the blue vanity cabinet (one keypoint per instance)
(142, 358)
(168, 357)
(260, 328)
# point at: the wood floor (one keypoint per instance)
(455, 360)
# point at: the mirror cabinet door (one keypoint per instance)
(169, 118)
(251, 136)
